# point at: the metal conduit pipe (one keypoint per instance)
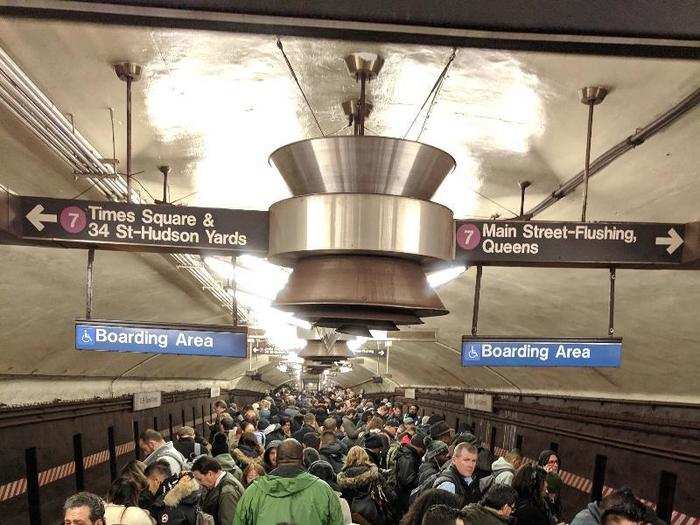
(51, 122)
(37, 121)
(22, 114)
(619, 149)
(41, 133)
(37, 97)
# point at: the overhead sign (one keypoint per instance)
(269, 350)
(377, 352)
(144, 400)
(151, 338)
(597, 244)
(483, 402)
(539, 352)
(146, 227)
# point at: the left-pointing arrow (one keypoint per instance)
(37, 217)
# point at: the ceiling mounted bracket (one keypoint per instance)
(364, 67)
(590, 96)
(367, 65)
(165, 170)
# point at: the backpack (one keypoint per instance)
(486, 482)
(391, 454)
(371, 505)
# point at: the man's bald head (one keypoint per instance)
(290, 452)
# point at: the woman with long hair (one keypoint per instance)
(531, 508)
(252, 472)
(364, 487)
(122, 507)
(430, 497)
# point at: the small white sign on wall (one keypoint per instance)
(215, 391)
(483, 402)
(144, 400)
(409, 393)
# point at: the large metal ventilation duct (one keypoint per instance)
(359, 230)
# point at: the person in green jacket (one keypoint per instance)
(289, 494)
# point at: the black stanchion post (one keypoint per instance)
(598, 477)
(79, 465)
(32, 471)
(155, 422)
(519, 442)
(183, 417)
(170, 427)
(136, 439)
(112, 453)
(667, 492)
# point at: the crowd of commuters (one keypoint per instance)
(333, 458)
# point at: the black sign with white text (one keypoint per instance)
(151, 227)
(540, 243)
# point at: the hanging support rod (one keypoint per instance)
(477, 297)
(591, 96)
(611, 304)
(89, 283)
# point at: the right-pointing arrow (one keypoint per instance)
(674, 241)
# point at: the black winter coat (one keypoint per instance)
(179, 504)
(408, 462)
(299, 434)
(333, 454)
(529, 513)
(427, 469)
(365, 490)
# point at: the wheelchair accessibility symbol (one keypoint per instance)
(473, 354)
(86, 338)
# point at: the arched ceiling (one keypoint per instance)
(214, 105)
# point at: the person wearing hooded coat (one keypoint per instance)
(247, 451)
(177, 504)
(549, 461)
(436, 455)
(270, 462)
(220, 452)
(364, 487)
(288, 494)
(531, 507)
(331, 451)
(323, 470)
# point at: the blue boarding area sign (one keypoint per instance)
(156, 338)
(541, 352)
